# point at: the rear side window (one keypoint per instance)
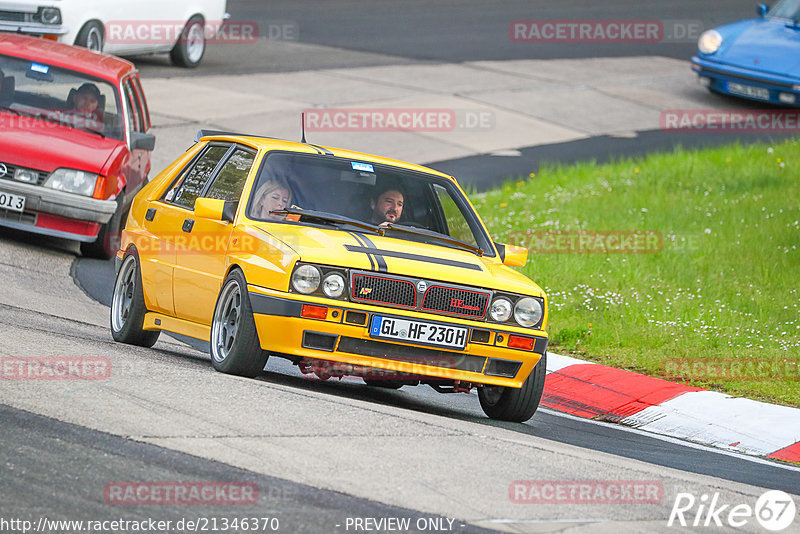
(194, 178)
(230, 180)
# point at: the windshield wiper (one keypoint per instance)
(329, 218)
(6, 108)
(436, 235)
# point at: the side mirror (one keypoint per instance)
(512, 255)
(761, 10)
(215, 209)
(143, 141)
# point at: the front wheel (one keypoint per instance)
(127, 306)
(515, 404)
(235, 348)
(191, 45)
(91, 36)
(108, 239)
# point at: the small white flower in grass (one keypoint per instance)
(770, 150)
(707, 230)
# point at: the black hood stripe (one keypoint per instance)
(378, 257)
(415, 257)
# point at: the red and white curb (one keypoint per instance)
(604, 393)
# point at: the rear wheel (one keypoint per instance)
(235, 348)
(191, 45)
(127, 305)
(91, 36)
(515, 404)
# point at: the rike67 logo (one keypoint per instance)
(774, 510)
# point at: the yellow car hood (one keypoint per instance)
(402, 257)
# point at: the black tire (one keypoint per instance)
(235, 348)
(108, 238)
(91, 36)
(191, 45)
(515, 404)
(127, 305)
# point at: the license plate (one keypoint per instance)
(749, 90)
(10, 201)
(418, 332)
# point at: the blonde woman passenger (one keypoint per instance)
(272, 195)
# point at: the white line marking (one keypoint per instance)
(669, 439)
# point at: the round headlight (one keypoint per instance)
(333, 285)
(709, 42)
(50, 15)
(528, 311)
(500, 310)
(306, 279)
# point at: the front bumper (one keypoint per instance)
(56, 213)
(32, 28)
(720, 75)
(343, 336)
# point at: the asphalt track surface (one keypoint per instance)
(387, 32)
(44, 457)
(96, 278)
(49, 463)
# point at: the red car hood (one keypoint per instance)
(46, 146)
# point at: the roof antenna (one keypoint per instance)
(303, 127)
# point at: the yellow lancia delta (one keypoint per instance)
(343, 263)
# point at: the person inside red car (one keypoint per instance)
(85, 107)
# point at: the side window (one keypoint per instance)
(230, 180)
(456, 223)
(142, 102)
(135, 121)
(194, 180)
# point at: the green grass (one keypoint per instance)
(717, 306)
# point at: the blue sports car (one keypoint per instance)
(758, 59)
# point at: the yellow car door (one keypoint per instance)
(201, 255)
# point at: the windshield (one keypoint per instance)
(786, 9)
(60, 96)
(376, 196)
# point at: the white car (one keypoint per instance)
(121, 27)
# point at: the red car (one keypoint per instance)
(74, 141)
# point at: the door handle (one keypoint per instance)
(187, 225)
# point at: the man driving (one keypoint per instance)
(386, 205)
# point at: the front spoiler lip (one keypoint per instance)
(44, 200)
(717, 69)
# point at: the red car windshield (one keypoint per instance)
(56, 95)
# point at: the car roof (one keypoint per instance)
(65, 56)
(272, 143)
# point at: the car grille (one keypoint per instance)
(368, 288)
(11, 169)
(14, 16)
(455, 301)
(437, 298)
